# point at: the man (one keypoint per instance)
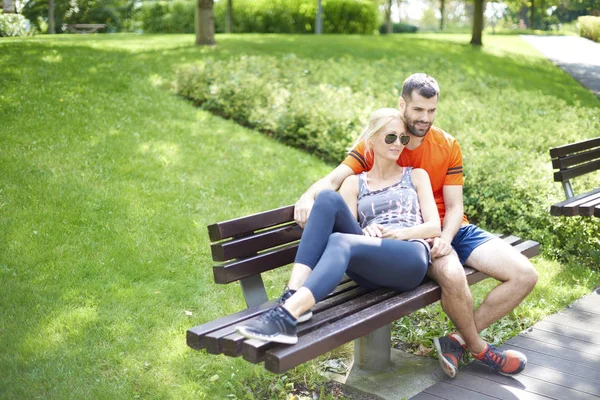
(439, 154)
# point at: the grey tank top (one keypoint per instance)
(395, 206)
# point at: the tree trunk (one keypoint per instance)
(477, 23)
(319, 20)
(229, 25)
(205, 22)
(532, 17)
(442, 11)
(51, 28)
(388, 18)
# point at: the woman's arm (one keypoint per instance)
(431, 218)
(349, 192)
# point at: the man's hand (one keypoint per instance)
(374, 230)
(441, 247)
(302, 210)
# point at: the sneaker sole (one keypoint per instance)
(447, 367)
(305, 317)
(278, 338)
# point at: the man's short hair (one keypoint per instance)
(423, 84)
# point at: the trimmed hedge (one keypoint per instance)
(399, 28)
(265, 16)
(589, 27)
(321, 105)
(170, 17)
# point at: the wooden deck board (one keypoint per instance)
(563, 352)
(452, 392)
(559, 364)
(482, 385)
(527, 384)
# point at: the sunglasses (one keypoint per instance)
(392, 137)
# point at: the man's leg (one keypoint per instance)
(501, 261)
(456, 300)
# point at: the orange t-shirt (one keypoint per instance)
(439, 154)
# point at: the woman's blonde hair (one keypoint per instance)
(377, 120)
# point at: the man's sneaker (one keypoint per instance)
(287, 293)
(509, 362)
(275, 325)
(450, 350)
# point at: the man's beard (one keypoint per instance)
(411, 125)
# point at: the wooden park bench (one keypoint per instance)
(574, 160)
(84, 28)
(246, 247)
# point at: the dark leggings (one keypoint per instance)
(333, 244)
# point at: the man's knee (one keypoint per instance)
(448, 272)
(525, 274)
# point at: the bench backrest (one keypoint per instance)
(248, 246)
(574, 160)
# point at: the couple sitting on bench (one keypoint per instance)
(398, 216)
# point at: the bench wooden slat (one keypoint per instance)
(528, 248)
(251, 223)
(350, 302)
(511, 239)
(232, 345)
(570, 207)
(247, 246)
(574, 147)
(587, 209)
(195, 335)
(575, 159)
(237, 270)
(567, 174)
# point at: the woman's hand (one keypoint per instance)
(397, 234)
(374, 230)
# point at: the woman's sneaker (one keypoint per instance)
(287, 293)
(450, 350)
(275, 325)
(509, 362)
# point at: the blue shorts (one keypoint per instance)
(467, 239)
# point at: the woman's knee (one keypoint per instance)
(338, 240)
(329, 197)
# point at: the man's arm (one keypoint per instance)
(332, 181)
(453, 200)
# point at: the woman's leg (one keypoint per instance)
(329, 214)
(375, 262)
(371, 262)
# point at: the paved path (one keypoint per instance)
(575, 55)
(563, 352)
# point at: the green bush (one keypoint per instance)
(321, 105)
(589, 27)
(298, 16)
(399, 28)
(169, 17)
(12, 25)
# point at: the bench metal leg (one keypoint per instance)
(373, 351)
(568, 189)
(254, 290)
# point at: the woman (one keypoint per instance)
(395, 210)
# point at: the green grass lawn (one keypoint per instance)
(108, 183)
